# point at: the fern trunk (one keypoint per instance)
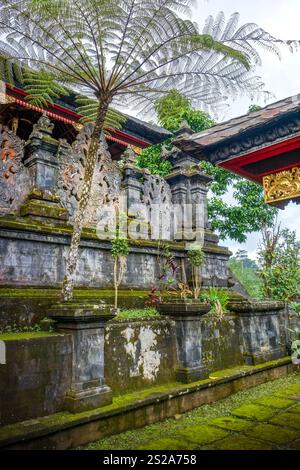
(90, 165)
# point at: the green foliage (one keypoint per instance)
(120, 247)
(175, 108)
(13, 329)
(248, 278)
(169, 109)
(279, 263)
(151, 158)
(88, 109)
(296, 307)
(253, 108)
(247, 214)
(42, 88)
(135, 314)
(196, 256)
(9, 71)
(218, 298)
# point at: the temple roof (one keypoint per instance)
(254, 145)
(236, 127)
(144, 133)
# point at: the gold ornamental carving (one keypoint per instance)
(282, 186)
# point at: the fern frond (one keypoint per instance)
(88, 109)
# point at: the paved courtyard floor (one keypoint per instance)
(263, 418)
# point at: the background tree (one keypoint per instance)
(110, 52)
(279, 263)
(247, 212)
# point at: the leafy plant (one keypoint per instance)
(219, 299)
(151, 158)
(196, 258)
(296, 307)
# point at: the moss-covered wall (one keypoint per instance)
(138, 354)
(36, 376)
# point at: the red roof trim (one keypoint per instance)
(236, 164)
(74, 117)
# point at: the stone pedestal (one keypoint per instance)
(261, 337)
(187, 316)
(86, 325)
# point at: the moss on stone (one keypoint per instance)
(290, 420)
(232, 424)
(295, 445)
(254, 412)
(242, 443)
(26, 335)
(271, 433)
(201, 435)
(167, 444)
(275, 402)
(295, 409)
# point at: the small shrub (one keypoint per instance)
(219, 299)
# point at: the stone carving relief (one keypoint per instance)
(14, 176)
(107, 179)
(157, 197)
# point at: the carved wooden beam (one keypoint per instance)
(282, 186)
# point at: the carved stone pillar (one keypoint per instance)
(187, 317)
(133, 186)
(41, 160)
(86, 325)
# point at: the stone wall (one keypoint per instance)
(39, 197)
(35, 378)
(138, 355)
(33, 253)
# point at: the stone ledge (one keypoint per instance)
(263, 307)
(66, 430)
(12, 223)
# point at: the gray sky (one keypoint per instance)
(281, 19)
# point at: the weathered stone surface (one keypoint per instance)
(139, 354)
(65, 430)
(35, 378)
(85, 322)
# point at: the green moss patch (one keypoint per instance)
(241, 443)
(290, 420)
(201, 435)
(25, 335)
(232, 424)
(136, 314)
(295, 409)
(274, 434)
(168, 444)
(254, 412)
(295, 445)
(275, 402)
